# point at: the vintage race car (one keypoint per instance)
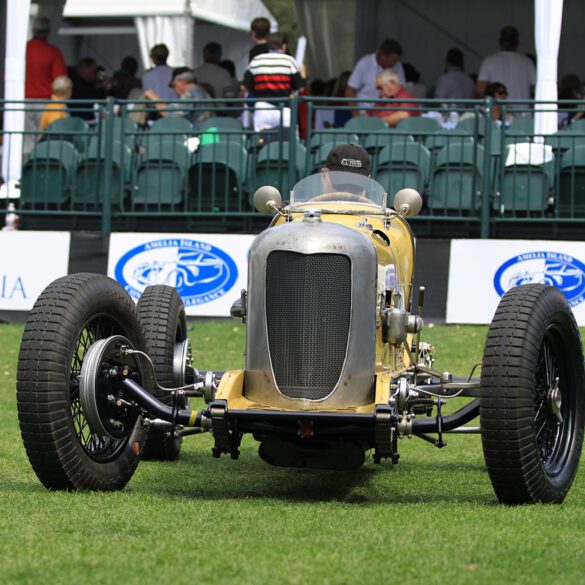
(335, 367)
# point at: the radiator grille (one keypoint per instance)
(308, 307)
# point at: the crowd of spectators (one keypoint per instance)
(272, 72)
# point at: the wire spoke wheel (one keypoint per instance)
(532, 404)
(98, 447)
(162, 314)
(554, 406)
(71, 315)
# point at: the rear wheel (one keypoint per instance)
(70, 315)
(532, 405)
(162, 314)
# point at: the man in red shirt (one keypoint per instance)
(44, 63)
(389, 87)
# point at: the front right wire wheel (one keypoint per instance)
(532, 404)
(162, 314)
(70, 317)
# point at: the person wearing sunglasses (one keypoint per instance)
(499, 93)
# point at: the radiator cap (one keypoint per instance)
(312, 216)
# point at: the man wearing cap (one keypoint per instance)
(515, 71)
(348, 158)
(184, 82)
(345, 158)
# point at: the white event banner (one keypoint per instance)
(208, 270)
(29, 261)
(481, 271)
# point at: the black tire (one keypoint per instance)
(162, 314)
(531, 455)
(70, 314)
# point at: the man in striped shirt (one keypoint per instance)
(272, 75)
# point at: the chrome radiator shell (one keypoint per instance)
(355, 384)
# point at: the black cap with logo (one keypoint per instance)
(350, 158)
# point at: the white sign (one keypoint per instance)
(208, 270)
(29, 261)
(481, 271)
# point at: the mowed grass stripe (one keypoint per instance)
(431, 519)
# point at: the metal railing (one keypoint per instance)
(479, 165)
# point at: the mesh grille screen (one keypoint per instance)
(308, 305)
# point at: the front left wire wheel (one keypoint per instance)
(71, 315)
(532, 404)
(162, 314)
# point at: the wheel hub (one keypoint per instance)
(555, 400)
(107, 414)
(182, 359)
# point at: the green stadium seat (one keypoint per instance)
(272, 166)
(375, 142)
(363, 125)
(474, 124)
(401, 165)
(217, 177)
(577, 126)
(319, 138)
(564, 140)
(161, 173)
(124, 130)
(571, 191)
(221, 122)
(438, 140)
(418, 126)
(456, 178)
(47, 175)
(524, 124)
(72, 129)
(91, 171)
(523, 187)
(320, 157)
(173, 125)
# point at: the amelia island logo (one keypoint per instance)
(552, 268)
(199, 271)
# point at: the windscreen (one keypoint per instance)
(338, 186)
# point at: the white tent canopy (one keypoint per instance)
(231, 13)
(172, 22)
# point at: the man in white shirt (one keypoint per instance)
(158, 78)
(212, 73)
(515, 71)
(362, 81)
(454, 83)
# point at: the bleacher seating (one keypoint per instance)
(90, 187)
(217, 177)
(456, 178)
(74, 130)
(571, 192)
(404, 164)
(273, 168)
(214, 166)
(47, 175)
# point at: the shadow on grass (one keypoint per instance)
(197, 476)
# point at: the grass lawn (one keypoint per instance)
(431, 519)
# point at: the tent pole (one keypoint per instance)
(17, 15)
